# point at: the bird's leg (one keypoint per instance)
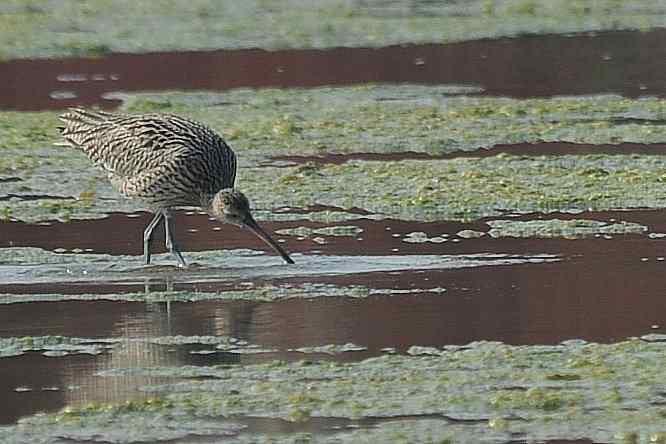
(147, 234)
(170, 243)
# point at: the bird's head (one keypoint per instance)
(231, 206)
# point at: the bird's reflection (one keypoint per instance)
(162, 309)
(169, 327)
(162, 284)
(165, 334)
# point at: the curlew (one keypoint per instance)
(167, 161)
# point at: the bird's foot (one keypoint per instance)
(179, 257)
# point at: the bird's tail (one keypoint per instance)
(79, 124)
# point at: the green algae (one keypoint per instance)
(31, 28)
(347, 120)
(469, 188)
(418, 237)
(324, 216)
(130, 422)
(331, 349)
(130, 406)
(58, 346)
(399, 118)
(22, 129)
(15, 165)
(353, 119)
(534, 398)
(339, 230)
(567, 229)
(492, 383)
(261, 294)
(266, 293)
(51, 346)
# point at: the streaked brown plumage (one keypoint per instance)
(167, 161)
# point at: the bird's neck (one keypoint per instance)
(207, 203)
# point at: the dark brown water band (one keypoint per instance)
(379, 237)
(517, 149)
(630, 63)
(600, 290)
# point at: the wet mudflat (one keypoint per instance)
(468, 268)
(98, 327)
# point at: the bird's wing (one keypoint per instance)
(123, 144)
(160, 185)
(143, 150)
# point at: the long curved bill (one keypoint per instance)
(261, 234)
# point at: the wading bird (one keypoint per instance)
(167, 161)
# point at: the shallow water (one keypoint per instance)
(519, 149)
(517, 291)
(626, 62)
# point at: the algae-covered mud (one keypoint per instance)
(479, 252)
(375, 119)
(32, 28)
(483, 392)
